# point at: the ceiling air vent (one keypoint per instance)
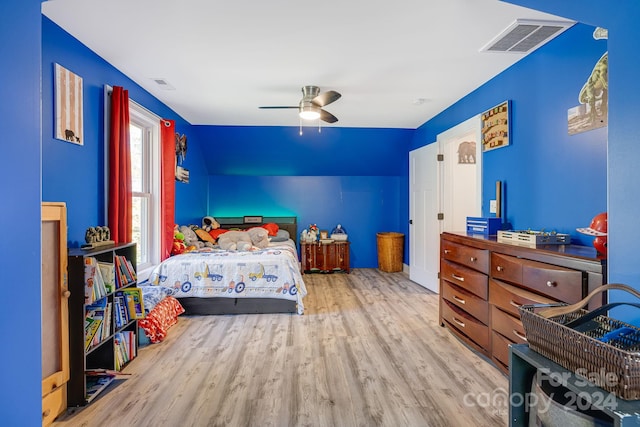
(163, 84)
(524, 36)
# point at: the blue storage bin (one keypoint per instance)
(484, 226)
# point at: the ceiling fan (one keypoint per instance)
(310, 106)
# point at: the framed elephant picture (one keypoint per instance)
(68, 106)
(495, 124)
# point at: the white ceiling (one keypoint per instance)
(396, 64)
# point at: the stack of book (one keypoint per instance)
(129, 305)
(94, 284)
(97, 324)
(124, 344)
(124, 271)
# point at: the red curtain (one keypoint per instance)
(168, 185)
(119, 167)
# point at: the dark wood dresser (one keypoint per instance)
(325, 257)
(483, 282)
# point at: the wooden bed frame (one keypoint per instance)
(207, 306)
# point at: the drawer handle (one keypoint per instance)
(447, 251)
(459, 322)
(500, 268)
(459, 278)
(519, 335)
(551, 284)
(473, 259)
(460, 300)
(515, 304)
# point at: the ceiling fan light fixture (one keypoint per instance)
(309, 112)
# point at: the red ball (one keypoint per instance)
(600, 243)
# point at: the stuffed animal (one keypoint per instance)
(235, 241)
(178, 246)
(203, 236)
(191, 238)
(259, 237)
(209, 223)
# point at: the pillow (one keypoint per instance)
(204, 235)
(216, 232)
(281, 236)
(272, 228)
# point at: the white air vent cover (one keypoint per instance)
(524, 36)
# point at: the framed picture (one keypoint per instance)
(495, 124)
(68, 106)
(324, 234)
(252, 220)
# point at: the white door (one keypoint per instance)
(423, 214)
(460, 194)
(452, 187)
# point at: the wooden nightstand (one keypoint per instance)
(325, 257)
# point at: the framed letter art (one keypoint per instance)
(68, 106)
(495, 127)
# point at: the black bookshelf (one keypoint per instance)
(101, 356)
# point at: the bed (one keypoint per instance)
(215, 281)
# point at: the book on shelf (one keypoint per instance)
(108, 277)
(95, 384)
(90, 329)
(122, 345)
(135, 302)
(94, 286)
(124, 271)
(97, 322)
(121, 310)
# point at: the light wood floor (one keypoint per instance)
(367, 352)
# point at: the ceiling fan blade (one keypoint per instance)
(278, 106)
(327, 117)
(326, 98)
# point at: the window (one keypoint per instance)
(145, 176)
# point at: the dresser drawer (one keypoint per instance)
(561, 283)
(475, 330)
(507, 325)
(472, 304)
(506, 268)
(500, 348)
(509, 298)
(471, 280)
(477, 259)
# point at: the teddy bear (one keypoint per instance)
(235, 240)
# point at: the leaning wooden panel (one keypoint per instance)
(55, 323)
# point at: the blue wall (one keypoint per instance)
(75, 173)
(623, 173)
(347, 176)
(552, 180)
(21, 383)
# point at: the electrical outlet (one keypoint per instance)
(492, 206)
